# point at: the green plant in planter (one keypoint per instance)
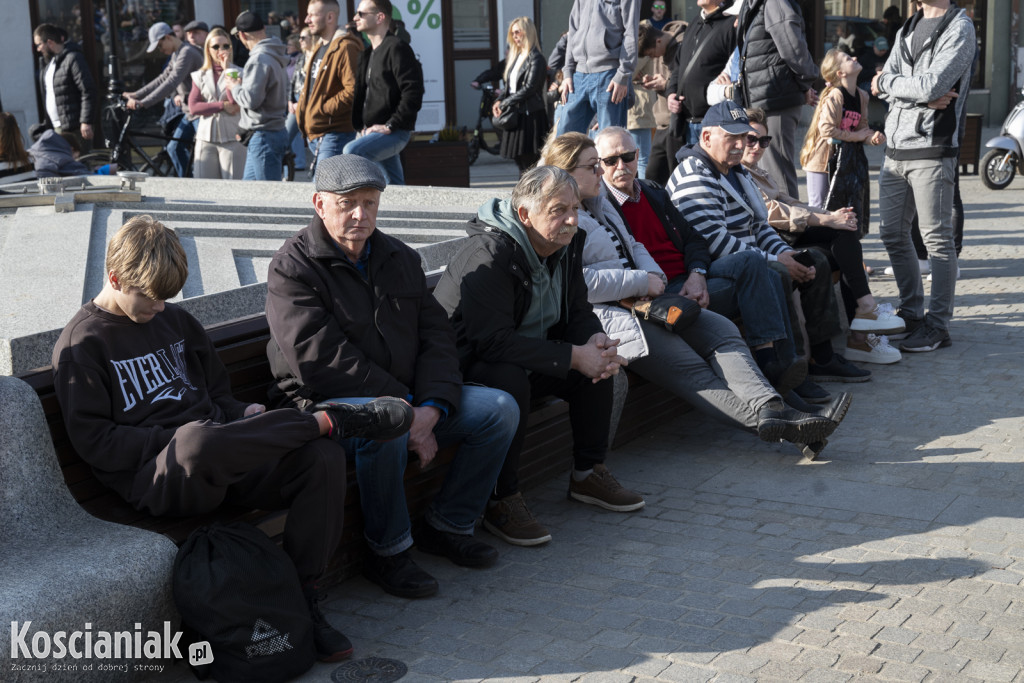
(449, 134)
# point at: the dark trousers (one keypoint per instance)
(817, 300)
(590, 410)
(845, 253)
(662, 160)
(271, 461)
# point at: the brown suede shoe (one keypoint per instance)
(601, 489)
(510, 520)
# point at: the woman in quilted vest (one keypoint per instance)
(218, 153)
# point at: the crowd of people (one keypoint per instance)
(541, 298)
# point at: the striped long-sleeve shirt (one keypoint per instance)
(730, 220)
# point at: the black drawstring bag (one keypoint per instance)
(848, 182)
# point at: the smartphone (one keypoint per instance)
(803, 257)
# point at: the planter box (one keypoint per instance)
(442, 164)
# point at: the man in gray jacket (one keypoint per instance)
(599, 64)
(925, 81)
(262, 93)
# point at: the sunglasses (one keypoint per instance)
(221, 47)
(627, 157)
(764, 141)
(360, 13)
(304, 37)
(594, 167)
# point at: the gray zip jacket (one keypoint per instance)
(602, 36)
(263, 94)
(909, 82)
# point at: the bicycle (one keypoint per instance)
(127, 152)
(488, 96)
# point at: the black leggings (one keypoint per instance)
(844, 251)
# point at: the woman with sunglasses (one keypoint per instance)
(709, 364)
(218, 154)
(526, 73)
(835, 233)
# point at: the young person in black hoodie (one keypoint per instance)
(389, 92)
(147, 403)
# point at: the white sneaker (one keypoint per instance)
(925, 266)
(882, 320)
(874, 349)
(957, 274)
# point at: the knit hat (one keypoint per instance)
(346, 172)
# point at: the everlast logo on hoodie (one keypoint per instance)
(150, 377)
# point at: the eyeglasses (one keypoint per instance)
(221, 47)
(627, 157)
(360, 13)
(657, 7)
(764, 141)
(594, 167)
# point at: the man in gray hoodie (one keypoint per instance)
(262, 93)
(925, 81)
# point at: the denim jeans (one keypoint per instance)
(642, 138)
(180, 149)
(484, 425)
(296, 141)
(383, 148)
(924, 186)
(589, 98)
(743, 284)
(331, 144)
(693, 132)
(266, 154)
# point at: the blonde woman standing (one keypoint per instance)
(525, 76)
(218, 154)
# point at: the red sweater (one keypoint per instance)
(648, 231)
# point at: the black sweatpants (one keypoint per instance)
(271, 461)
(590, 410)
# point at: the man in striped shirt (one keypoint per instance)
(715, 193)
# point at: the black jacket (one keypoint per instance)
(73, 87)
(389, 86)
(713, 40)
(530, 83)
(486, 291)
(688, 241)
(334, 334)
(777, 66)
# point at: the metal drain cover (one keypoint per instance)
(377, 669)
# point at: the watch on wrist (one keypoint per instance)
(699, 271)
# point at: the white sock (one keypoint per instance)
(580, 475)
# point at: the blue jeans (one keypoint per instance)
(383, 148)
(266, 154)
(589, 98)
(330, 145)
(642, 138)
(180, 149)
(484, 425)
(693, 133)
(742, 283)
(296, 141)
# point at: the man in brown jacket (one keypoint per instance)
(324, 110)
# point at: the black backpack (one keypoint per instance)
(236, 589)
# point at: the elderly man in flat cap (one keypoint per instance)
(351, 317)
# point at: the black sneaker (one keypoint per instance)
(462, 549)
(399, 575)
(926, 338)
(776, 421)
(331, 644)
(785, 376)
(912, 325)
(381, 419)
(838, 370)
(812, 393)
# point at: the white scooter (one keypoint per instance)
(1006, 157)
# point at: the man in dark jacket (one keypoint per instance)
(350, 316)
(702, 53)
(69, 92)
(517, 298)
(777, 73)
(389, 92)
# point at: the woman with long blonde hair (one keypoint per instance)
(525, 76)
(218, 153)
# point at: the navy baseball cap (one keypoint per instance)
(728, 116)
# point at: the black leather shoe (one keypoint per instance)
(462, 549)
(381, 419)
(776, 420)
(834, 410)
(331, 644)
(811, 392)
(785, 377)
(399, 575)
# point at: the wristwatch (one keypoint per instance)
(699, 271)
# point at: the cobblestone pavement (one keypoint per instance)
(898, 556)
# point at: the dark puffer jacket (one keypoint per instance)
(73, 87)
(777, 66)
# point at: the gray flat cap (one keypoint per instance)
(346, 172)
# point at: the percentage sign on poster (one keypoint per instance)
(416, 7)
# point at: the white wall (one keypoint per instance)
(212, 12)
(17, 66)
(507, 11)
